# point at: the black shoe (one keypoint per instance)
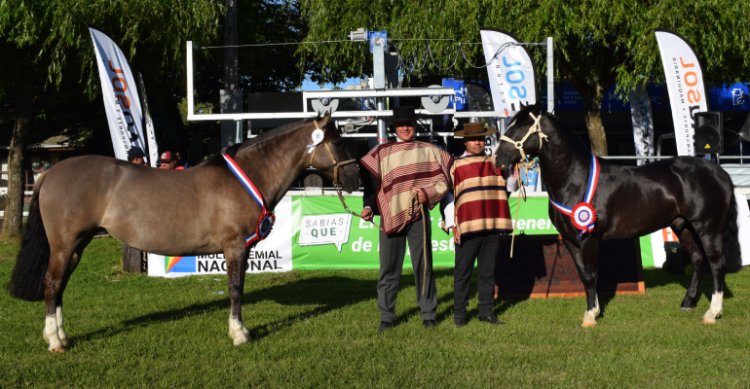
(460, 322)
(385, 325)
(492, 319)
(428, 323)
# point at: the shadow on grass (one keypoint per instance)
(330, 293)
(326, 294)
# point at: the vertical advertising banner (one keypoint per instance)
(684, 79)
(120, 96)
(510, 72)
(643, 123)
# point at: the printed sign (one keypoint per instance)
(325, 229)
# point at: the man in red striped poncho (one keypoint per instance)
(479, 214)
(412, 177)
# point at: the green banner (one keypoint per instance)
(326, 237)
(531, 217)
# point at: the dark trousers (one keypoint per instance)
(392, 251)
(485, 249)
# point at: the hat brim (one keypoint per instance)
(462, 134)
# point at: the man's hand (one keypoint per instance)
(366, 214)
(456, 235)
(421, 197)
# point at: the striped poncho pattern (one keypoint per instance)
(481, 200)
(403, 167)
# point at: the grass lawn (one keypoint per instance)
(317, 329)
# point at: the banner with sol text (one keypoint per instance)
(510, 72)
(684, 79)
(120, 95)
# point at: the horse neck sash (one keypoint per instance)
(583, 214)
(267, 218)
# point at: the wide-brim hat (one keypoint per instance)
(404, 114)
(474, 130)
(135, 152)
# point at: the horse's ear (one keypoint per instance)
(323, 121)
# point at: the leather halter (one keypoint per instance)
(535, 128)
(336, 165)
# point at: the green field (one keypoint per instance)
(317, 329)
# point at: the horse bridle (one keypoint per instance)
(336, 165)
(535, 128)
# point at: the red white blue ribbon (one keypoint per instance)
(583, 214)
(267, 218)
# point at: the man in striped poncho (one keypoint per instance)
(479, 214)
(412, 177)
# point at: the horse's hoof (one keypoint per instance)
(240, 341)
(58, 349)
(687, 309)
(708, 320)
(588, 324)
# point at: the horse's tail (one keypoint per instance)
(730, 239)
(27, 281)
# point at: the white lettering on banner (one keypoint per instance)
(361, 245)
(325, 229)
(443, 245)
(532, 224)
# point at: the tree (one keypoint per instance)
(598, 43)
(46, 43)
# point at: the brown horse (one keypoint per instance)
(201, 210)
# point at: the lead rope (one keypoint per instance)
(424, 250)
(521, 191)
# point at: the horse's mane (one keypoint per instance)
(281, 131)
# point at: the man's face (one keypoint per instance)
(475, 146)
(405, 131)
(138, 161)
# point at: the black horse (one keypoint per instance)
(593, 200)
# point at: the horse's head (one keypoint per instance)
(523, 138)
(328, 154)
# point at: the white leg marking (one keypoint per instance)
(237, 331)
(714, 309)
(50, 334)
(60, 330)
(589, 317)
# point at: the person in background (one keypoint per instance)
(167, 161)
(133, 260)
(136, 156)
(477, 217)
(410, 178)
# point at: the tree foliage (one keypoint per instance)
(49, 55)
(598, 43)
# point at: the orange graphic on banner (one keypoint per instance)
(668, 235)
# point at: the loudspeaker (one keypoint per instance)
(708, 137)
